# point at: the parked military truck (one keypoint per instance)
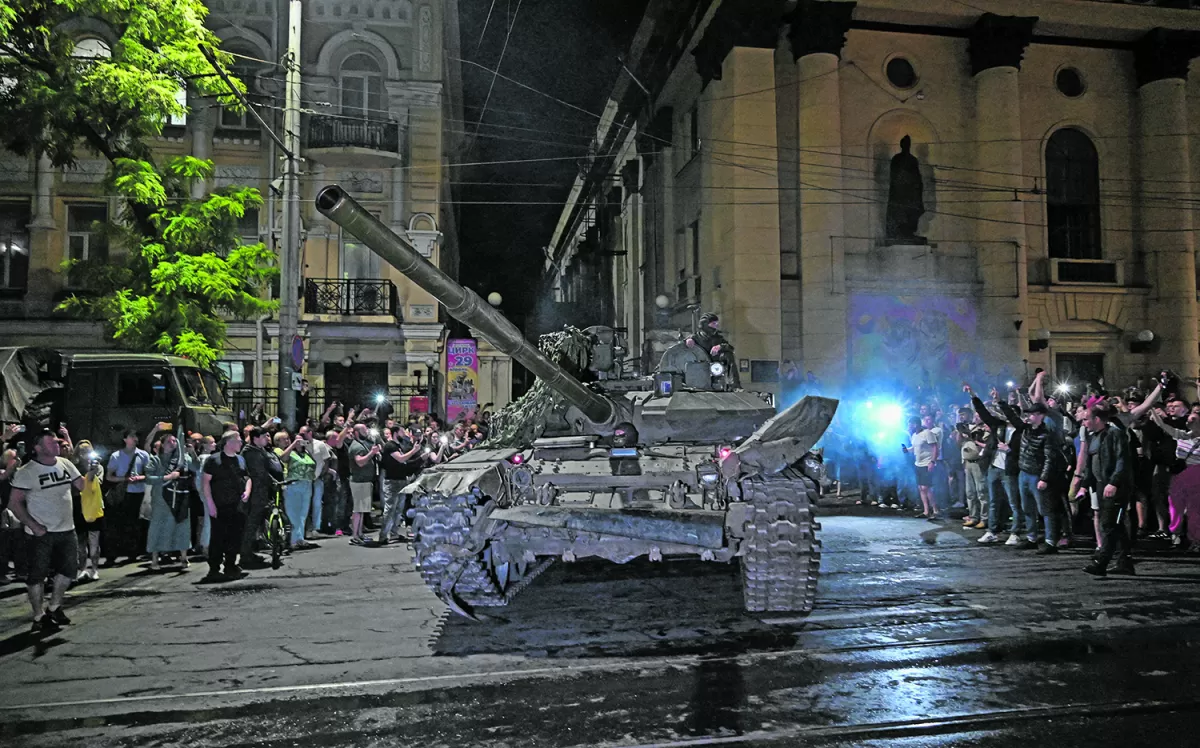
(679, 464)
(99, 396)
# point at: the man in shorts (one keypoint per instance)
(364, 454)
(41, 499)
(926, 444)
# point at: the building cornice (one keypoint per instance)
(819, 27)
(749, 23)
(999, 41)
(1165, 53)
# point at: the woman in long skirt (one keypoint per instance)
(170, 478)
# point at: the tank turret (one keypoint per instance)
(462, 303)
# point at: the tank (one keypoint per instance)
(679, 463)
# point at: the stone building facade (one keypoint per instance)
(382, 103)
(1057, 153)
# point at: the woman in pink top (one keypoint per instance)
(1184, 498)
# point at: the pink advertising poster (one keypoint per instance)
(462, 378)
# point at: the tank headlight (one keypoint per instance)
(521, 477)
(707, 474)
(716, 368)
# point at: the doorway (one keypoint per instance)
(1085, 369)
(355, 385)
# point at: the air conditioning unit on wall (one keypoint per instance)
(1065, 271)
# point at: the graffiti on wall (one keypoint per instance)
(912, 340)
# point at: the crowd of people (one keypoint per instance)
(1029, 467)
(69, 509)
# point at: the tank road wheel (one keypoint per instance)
(782, 555)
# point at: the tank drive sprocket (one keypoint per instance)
(783, 556)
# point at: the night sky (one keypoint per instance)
(567, 49)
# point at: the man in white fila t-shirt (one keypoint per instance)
(41, 499)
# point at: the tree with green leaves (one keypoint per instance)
(179, 265)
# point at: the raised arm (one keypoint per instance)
(985, 415)
(1169, 430)
(1145, 406)
(1014, 417)
(1022, 398)
(69, 445)
(290, 448)
(1037, 390)
(149, 443)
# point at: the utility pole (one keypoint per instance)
(290, 259)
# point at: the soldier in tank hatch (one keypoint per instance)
(709, 339)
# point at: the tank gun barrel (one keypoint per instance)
(461, 303)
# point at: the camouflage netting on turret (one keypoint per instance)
(524, 419)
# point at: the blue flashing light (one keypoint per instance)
(892, 415)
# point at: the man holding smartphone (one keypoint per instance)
(364, 460)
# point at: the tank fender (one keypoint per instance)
(782, 440)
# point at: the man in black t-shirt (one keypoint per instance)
(225, 486)
(264, 468)
(399, 464)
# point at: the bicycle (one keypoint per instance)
(276, 532)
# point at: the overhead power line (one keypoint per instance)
(511, 25)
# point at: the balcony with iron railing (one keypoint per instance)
(359, 297)
(329, 131)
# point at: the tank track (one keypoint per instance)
(445, 552)
(782, 556)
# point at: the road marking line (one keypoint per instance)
(682, 660)
(955, 723)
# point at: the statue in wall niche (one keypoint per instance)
(905, 204)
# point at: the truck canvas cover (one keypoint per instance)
(24, 374)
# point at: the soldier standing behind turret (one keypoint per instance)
(709, 339)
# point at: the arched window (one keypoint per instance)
(362, 87)
(90, 48)
(1073, 196)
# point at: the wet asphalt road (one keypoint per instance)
(921, 638)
